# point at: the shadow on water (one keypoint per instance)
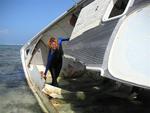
(15, 95)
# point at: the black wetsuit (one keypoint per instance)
(54, 62)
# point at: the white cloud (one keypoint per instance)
(3, 31)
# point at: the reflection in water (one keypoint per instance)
(15, 95)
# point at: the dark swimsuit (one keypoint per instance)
(54, 61)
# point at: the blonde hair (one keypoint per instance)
(51, 40)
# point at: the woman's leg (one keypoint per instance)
(54, 77)
(57, 70)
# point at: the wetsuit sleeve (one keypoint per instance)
(49, 61)
(65, 39)
(62, 39)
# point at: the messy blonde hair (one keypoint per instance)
(52, 40)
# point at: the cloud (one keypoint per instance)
(3, 31)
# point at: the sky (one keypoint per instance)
(20, 20)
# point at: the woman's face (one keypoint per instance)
(54, 45)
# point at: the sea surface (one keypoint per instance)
(15, 95)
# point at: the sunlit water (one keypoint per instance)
(15, 95)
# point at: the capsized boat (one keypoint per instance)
(108, 39)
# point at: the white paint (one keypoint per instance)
(25, 68)
(129, 58)
(110, 7)
(69, 57)
(90, 17)
(95, 69)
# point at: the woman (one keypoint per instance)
(54, 60)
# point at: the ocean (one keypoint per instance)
(15, 95)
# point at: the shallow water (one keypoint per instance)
(15, 95)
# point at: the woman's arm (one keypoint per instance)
(65, 39)
(60, 39)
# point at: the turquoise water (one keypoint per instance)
(15, 95)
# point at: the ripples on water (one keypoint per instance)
(15, 95)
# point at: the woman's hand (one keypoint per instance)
(43, 75)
